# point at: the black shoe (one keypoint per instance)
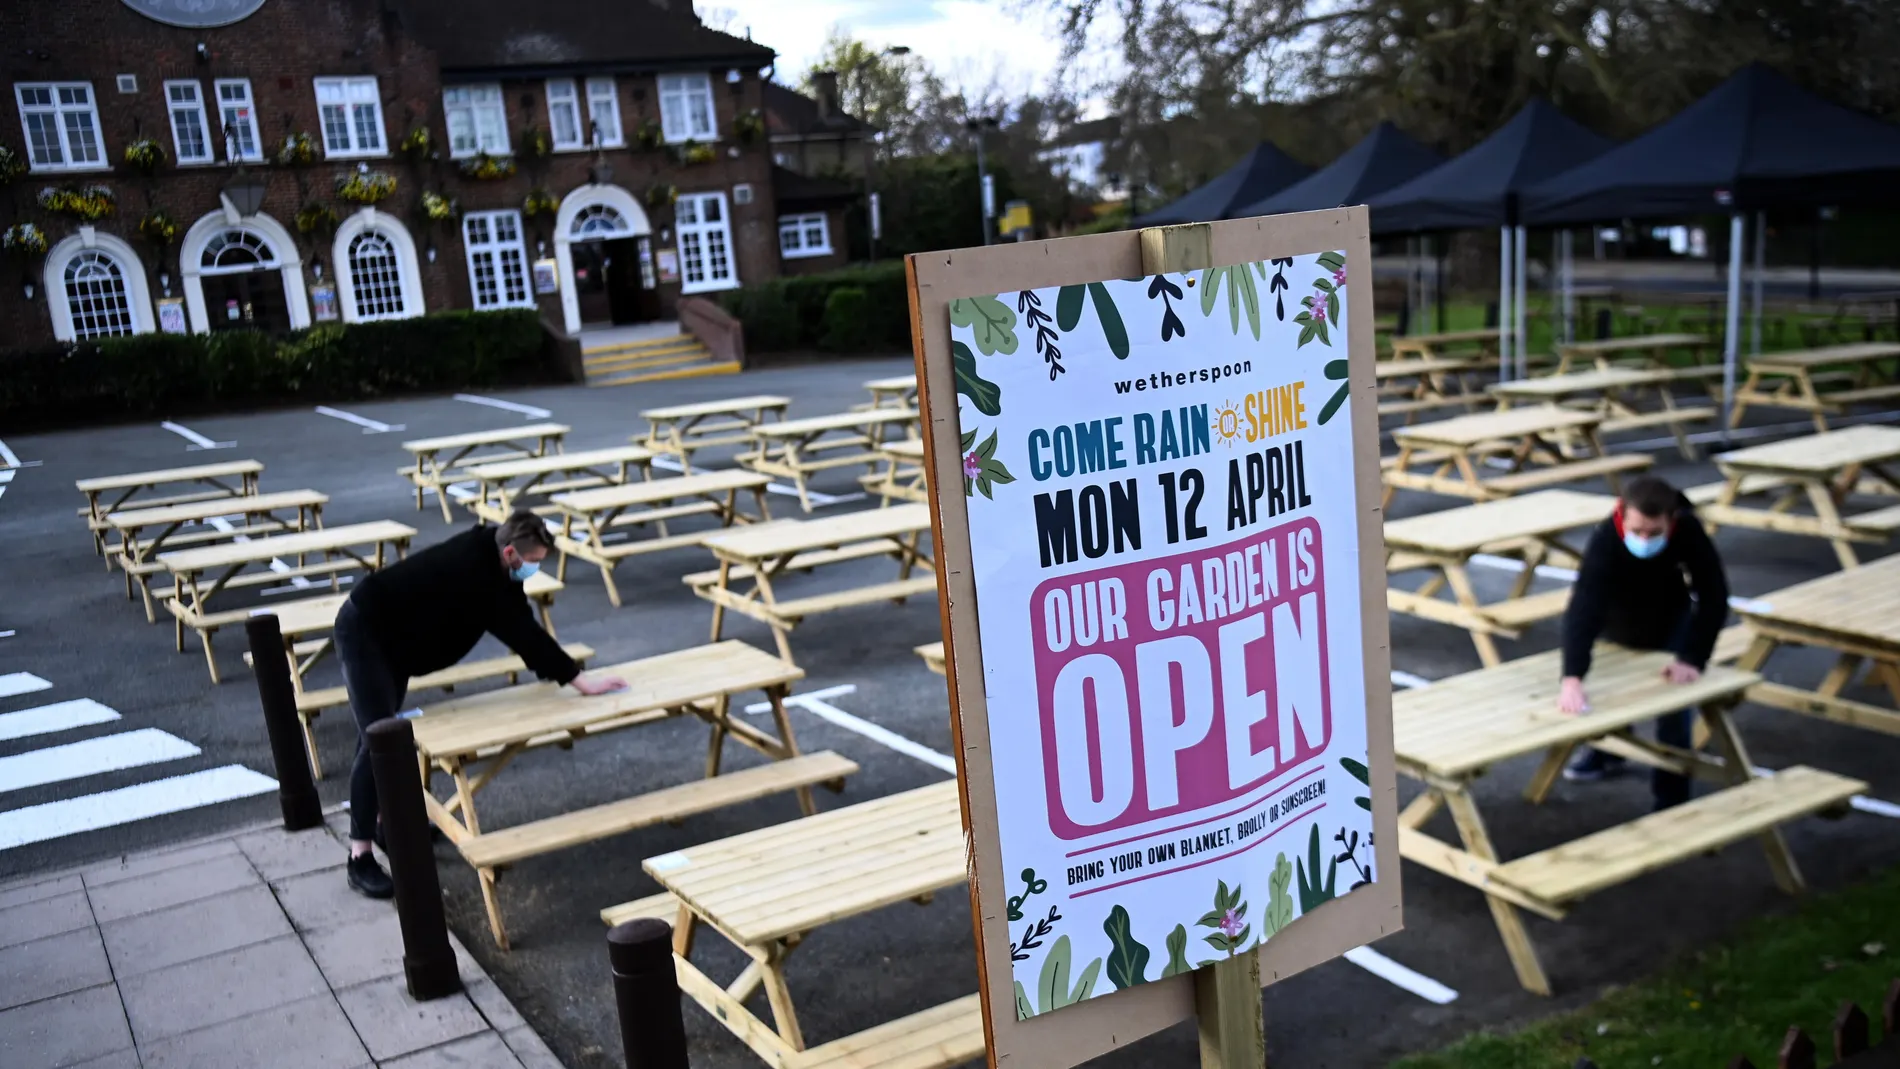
(368, 879)
(1594, 765)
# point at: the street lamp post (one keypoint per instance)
(984, 199)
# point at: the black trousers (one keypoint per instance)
(1672, 729)
(376, 692)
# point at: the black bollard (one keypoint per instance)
(647, 994)
(1603, 324)
(296, 791)
(427, 959)
(1490, 315)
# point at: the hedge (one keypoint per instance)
(147, 374)
(854, 310)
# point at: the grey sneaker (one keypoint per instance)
(1593, 765)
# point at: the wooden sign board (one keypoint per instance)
(1155, 478)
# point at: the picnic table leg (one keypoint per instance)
(719, 607)
(1462, 458)
(1517, 941)
(306, 720)
(1736, 763)
(716, 743)
(1461, 589)
(779, 996)
(776, 695)
(1421, 809)
(1399, 465)
(763, 582)
(1546, 775)
(1823, 502)
(493, 905)
(798, 474)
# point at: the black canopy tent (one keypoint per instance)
(1260, 173)
(1382, 159)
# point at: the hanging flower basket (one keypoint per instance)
(536, 144)
(661, 195)
(314, 218)
(694, 153)
(88, 204)
(297, 150)
(437, 207)
(11, 165)
(158, 227)
(417, 145)
(144, 156)
(748, 126)
(488, 168)
(24, 240)
(366, 187)
(649, 135)
(540, 202)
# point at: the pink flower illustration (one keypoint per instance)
(972, 466)
(1319, 308)
(1230, 925)
(1339, 277)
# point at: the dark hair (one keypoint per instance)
(523, 530)
(1651, 496)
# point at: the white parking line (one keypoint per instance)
(1408, 680)
(198, 441)
(8, 634)
(669, 464)
(71, 816)
(59, 716)
(815, 704)
(21, 683)
(92, 757)
(8, 458)
(529, 411)
(1569, 575)
(1392, 972)
(6, 475)
(370, 426)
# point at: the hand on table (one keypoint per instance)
(1678, 672)
(598, 684)
(1571, 700)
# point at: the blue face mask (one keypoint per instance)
(524, 571)
(1644, 548)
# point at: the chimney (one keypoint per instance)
(825, 85)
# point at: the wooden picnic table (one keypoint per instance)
(1448, 734)
(768, 891)
(1823, 469)
(932, 653)
(505, 483)
(474, 739)
(898, 391)
(111, 493)
(438, 458)
(202, 574)
(799, 448)
(590, 517)
(1648, 351)
(1525, 528)
(1613, 393)
(752, 561)
(136, 551)
(1421, 384)
(679, 431)
(1797, 377)
(1856, 616)
(1532, 441)
(902, 477)
(1482, 343)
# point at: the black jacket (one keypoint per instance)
(428, 611)
(1645, 604)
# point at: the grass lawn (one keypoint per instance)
(1739, 998)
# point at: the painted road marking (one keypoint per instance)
(59, 716)
(6, 475)
(54, 820)
(528, 411)
(21, 683)
(815, 704)
(1391, 971)
(669, 464)
(370, 426)
(1408, 680)
(91, 757)
(198, 441)
(1569, 575)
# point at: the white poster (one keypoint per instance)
(1165, 549)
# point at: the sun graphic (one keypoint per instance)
(1227, 424)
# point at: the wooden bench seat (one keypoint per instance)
(508, 845)
(1731, 643)
(1883, 521)
(896, 590)
(949, 1034)
(1529, 609)
(1424, 404)
(312, 701)
(660, 907)
(161, 502)
(1620, 854)
(803, 562)
(1569, 471)
(1865, 393)
(1659, 418)
(1709, 493)
(270, 578)
(808, 463)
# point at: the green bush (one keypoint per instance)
(796, 312)
(148, 374)
(844, 323)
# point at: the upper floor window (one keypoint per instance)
(62, 125)
(603, 109)
(478, 120)
(705, 243)
(686, 107)
(240, 120)
(189, 131)
(352, 114)
(564, 113)
(803, 235)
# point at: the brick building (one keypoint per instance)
(596, 161)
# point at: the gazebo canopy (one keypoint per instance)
(1259, 174)
(1383, 159)
(1755, 141)
(1481, 187)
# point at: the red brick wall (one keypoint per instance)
(838, 257)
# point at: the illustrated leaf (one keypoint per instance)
(969, 440)
(1313, 893)
(996, 472)
(1331, 261)
(1279, 902)
(1261, 267)
(1210, 286)
(992, 323)
(1319, 327)
(1323, 284)
(1086, 985)
(1217, 941)
(1303, 317)
(1128, 961)
(1222, 900)
(1024, 1011)
(1068, 307)
(1335, 369)
(1111, 318)
(1358, 770)
(1177, 953)
(1333, 403)
(1306, 335)
(1052, 987)
(984, 394)
(1332, 305)
(988, 448)
(969, 486)
(983, 487)
(1363, 802)
(1241, 939)
(1211, 919)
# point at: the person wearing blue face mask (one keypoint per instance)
(424, 614)
(1650, 580)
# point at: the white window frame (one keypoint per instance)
(495, 250)
(802, 227)
(60, 112)
(563, 93)
(477, 101)
(353, 98)
(683, 89)
(409, 270)
(603, 100)
(245, 119)
(695, 239)
(196, 105)
(137, 297)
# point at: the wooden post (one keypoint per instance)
(1226, 994)
(296, 791)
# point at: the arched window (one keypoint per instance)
(599, 220)
(237, 249)
(96, 296)
(376, 276)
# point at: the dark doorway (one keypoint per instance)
(614, 281)
(253, 300)
(590, 281)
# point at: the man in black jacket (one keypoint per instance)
(1650, 580)
(424, 614)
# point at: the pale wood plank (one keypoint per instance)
(497, 436)
(287, 545)
(222, 470)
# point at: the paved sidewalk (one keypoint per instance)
(238, 952)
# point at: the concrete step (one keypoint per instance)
(608, 364)
(691, 371)
(649, 345)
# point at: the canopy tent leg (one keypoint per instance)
(1733, 326)
(1504, 304)
(1517, 321)
(1438, 281)
(1570, 287)
(1761, 256)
